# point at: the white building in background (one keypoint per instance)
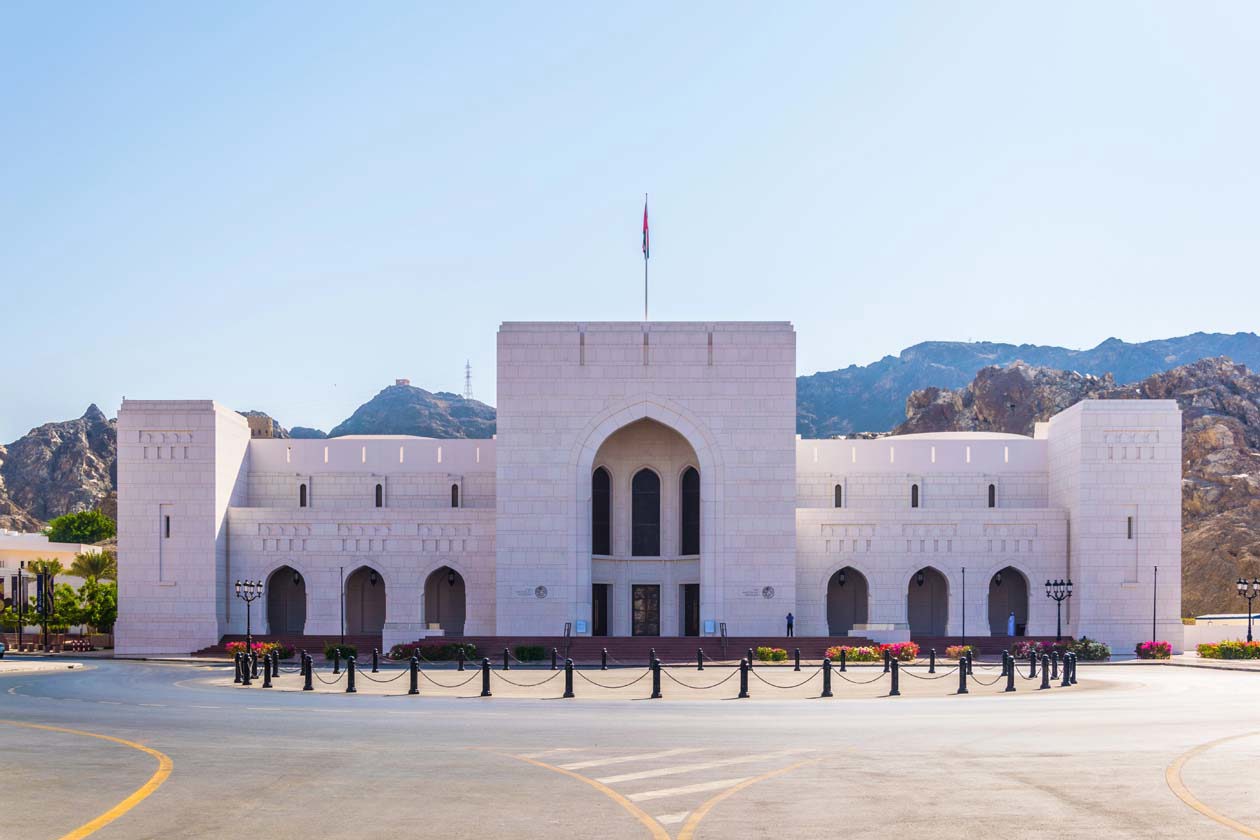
(18, 550)
(646, 479)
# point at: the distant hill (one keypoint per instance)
(408, 410)
(872, 397)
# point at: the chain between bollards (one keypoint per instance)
(656, 677)
(895, 691)
(743, 679)
(414, 688)
(485, 673)
(1045, 672)
(568, 677)
(826, 668)
(350, 689)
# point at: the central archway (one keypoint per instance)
(1008, 593)
(927, 603)
(848, 598)
(445, 601)
(286, 602)
(365, 602)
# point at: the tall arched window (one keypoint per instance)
(454, 495)
(301, 495)
(380, 496)
(914, 495)
(645, 514)
(839, 496)
(601, 512)
(992, 495)
(689, 487)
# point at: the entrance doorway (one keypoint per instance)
(689, 608)
(1008, 592)
(645, 609)
(444, 601)
(365, 602)
(847, 597)
(927, 603)
(286, 601)
(599, 609)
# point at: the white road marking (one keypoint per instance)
(691, 768)
(622, 759)
(550, 752)
(671, 819)
(679, 791)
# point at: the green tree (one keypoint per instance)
(45, 566)
(95, 565)
(98, 605)
(86, 526)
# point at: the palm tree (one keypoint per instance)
(45, 566)
(95, 565)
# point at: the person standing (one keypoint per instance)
(791, 625)
(1010, 624)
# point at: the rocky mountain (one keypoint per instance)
(871, 397)
(58, 468)
(407, 410)
(1220, 403)
(305, 432)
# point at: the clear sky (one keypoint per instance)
(287, 206)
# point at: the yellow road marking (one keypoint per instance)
(658, 831)
(689, 828)
(140, 794)
(1173, 776)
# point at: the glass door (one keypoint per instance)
(645, 609)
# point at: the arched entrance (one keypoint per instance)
(286, 601)
(365, 602)
(1008, 592)
(848, 596)
(927, 603)
(445, 601)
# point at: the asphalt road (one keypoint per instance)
(1058, 764)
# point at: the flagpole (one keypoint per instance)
(645, 262)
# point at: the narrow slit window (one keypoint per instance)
(839, 501)
(380, 495)
(301, 495)
(454, 495)
(992, 495)
(1130, 527)
(914, 495)
(166, 525)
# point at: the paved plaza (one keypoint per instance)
(1132, 751)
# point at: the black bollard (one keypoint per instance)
(603, 659)
(750, 658)
(970, 661)
(743, 679)
(798, 660)
(459, 658)
(337, 660)
(931, 660)
(656, 678)
(485, 676)
(1010, 674)
(267, 671)
(887, 659)
(1006, 664)
(253, 664)
(1067, 667)
(376, 660)
(1074, 659)
(1032, 664)
(350, 689)
(844, 659)
(568, 678)
(826, 666)
(699, 659)
(275, 665)
(554, 653)
(1054, 664)
(414, 688)
(245, 669)
(506, 667)
(651, 656)
(1045, 672)
(306, 673)
(237, 660)
(962, 677)
(895, 691)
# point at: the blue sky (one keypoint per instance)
(286, 206)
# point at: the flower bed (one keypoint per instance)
(1234, 649)
(771, 654)
(1153, 650)
(901, 651)
(958, 651)
(1090, 650)
(1020, 650)
(855, 654)
(433, 652)
(262, 649)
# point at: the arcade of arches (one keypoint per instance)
(848, 598)
(286, 601)
(445, 602)
(1008, 593)
(927, 603)
(365, 602)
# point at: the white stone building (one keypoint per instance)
(646, 479)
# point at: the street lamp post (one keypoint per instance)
(1250, 596)
(1059, 591)
(249, 591)
(21, 601)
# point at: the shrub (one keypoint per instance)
(85, 526)
(433, 653)
(958, 651)
(901, 651)
(855, 654)
(1090, 650)
(330, 650)
(1153, 650)
(262, 649)
(1020, 650)
(771, 654)
(1234, 649)
(529, 653)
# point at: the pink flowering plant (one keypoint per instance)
(771, 654)
(901, 651)
(865, 653)
(262, 649)
(1153, 650)
(958, 651)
